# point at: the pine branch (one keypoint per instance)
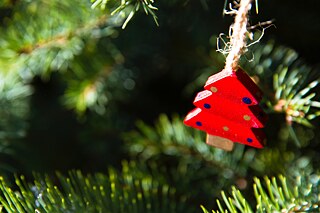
(44, 36)
(276, 195)
(129, 191)
(95, 86)
(128, 8)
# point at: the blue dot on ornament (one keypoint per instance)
(207, 106)
(249, 140)
(198, 123)
(246, 100)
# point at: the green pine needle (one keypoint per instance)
(275, 195)
(128, 9)
(76, 192)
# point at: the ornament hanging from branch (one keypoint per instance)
(227, 110)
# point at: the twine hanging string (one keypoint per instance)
(238, 45)
(238, 37)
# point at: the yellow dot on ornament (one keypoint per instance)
(214, 89)
(246, 117)
(225, 128)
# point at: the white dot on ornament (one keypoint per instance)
(214, 89)
(246, 117)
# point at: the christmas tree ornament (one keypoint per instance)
(218, 124)
(228, 108)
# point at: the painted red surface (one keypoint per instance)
(217, 125)
(244, 114)
(234, 86)
(228, 107)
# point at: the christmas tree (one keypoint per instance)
(93, 96)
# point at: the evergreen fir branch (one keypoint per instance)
(129, 191)
(45, 36)
(128, 8)
(96, 89)
(276, 195)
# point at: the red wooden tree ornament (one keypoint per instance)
(228, 111)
